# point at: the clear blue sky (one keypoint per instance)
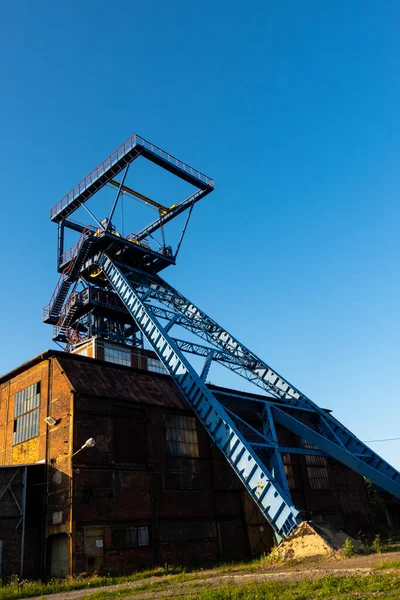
(292, 107)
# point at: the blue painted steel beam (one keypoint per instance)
(271, 499)
(276, 462)
(257, 371)
(301, 451)
(384, 480)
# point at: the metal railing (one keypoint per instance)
(72, 252)
(46, 309)
(69, 255)
(114, 158)
(175, 161)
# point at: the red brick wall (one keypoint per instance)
(32, 450)
(108, 493)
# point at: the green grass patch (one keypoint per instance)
(27, 589)
(389, 564)
(328, 588)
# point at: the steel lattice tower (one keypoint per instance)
(123, 298)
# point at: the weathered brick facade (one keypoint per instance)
(129, 503)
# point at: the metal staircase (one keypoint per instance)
(73, 258)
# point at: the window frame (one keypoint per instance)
(26, 413)
(317, 469)
(116, 531)
(117, 353)
(154, 365)
(182, 449)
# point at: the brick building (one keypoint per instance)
(153, 489)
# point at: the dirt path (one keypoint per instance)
(359, 565)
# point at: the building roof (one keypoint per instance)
(102, 379)
(92, 377)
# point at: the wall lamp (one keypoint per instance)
(90, 443)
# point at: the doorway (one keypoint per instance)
(59, 555)
(94, 550)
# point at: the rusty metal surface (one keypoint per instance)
(94, 378)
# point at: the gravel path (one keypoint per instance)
(359, 565)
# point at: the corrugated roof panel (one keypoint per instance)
(93, 378)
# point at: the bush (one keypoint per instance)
(377, 544)
(348, 548)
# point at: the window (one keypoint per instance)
(118, 356)
(182, 450)
(181, 436)
(26, 413)
(131, 537)
(317, 469)
(288, 466)
(184, 531)
(130, 439)
(156, 366)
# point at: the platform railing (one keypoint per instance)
(175, 161)
(72, 252)
(117, 155)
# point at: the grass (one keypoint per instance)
(328, 588)
(390, 564)
(181, 582)
(28, 589)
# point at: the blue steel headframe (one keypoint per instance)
(130, 270)
(69, 262)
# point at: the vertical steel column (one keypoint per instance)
(276, 465)
(60, 242)
(23, 510)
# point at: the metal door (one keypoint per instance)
(59, 555)
(94, 550)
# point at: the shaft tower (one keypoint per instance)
(110, 286)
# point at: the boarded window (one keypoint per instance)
(26, 413)
(184, 531)
(317, 470)
(118, 356)
(130, 440)
(182, 450)
(132, 537)
(156, 366)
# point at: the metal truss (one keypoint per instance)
(240, 441)
(274, 501)
(12, 478)
(235, 356)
